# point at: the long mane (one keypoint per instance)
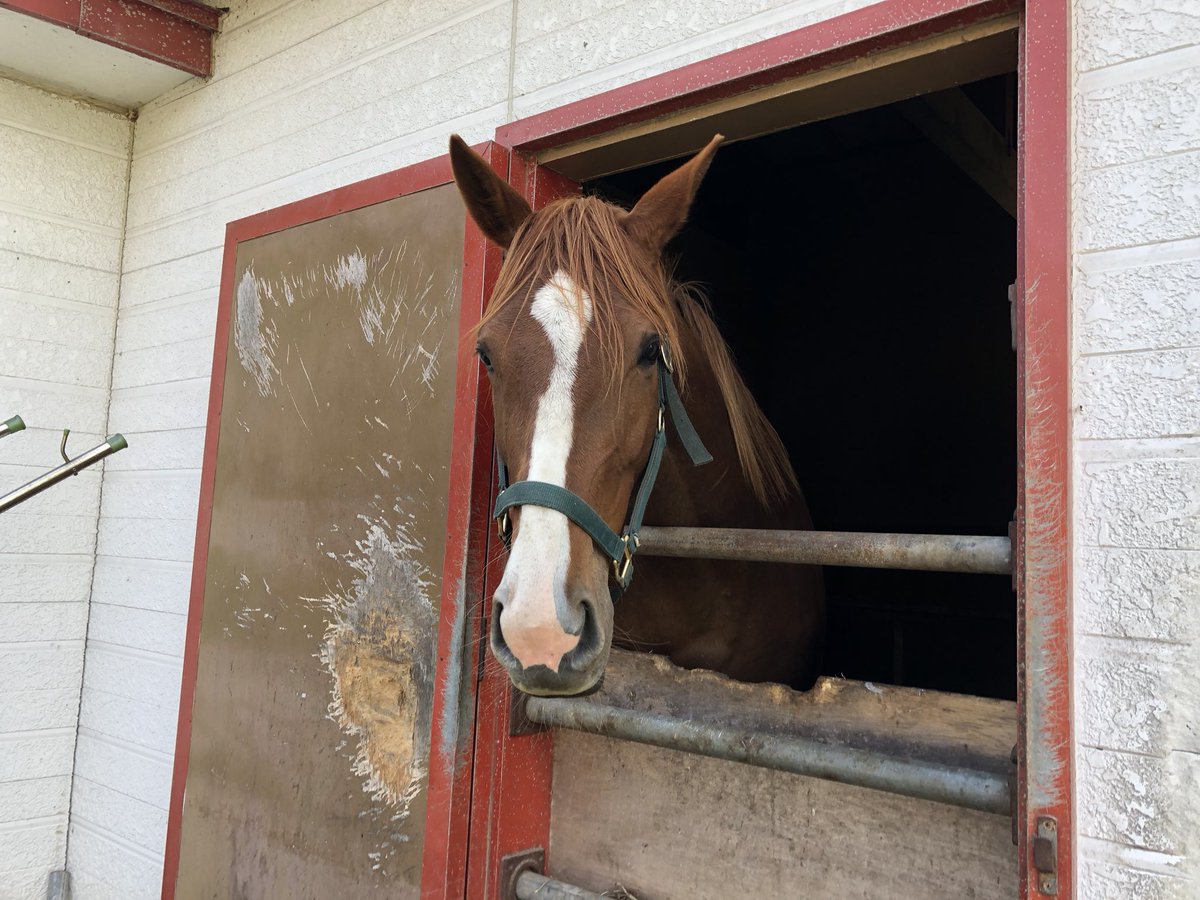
(583, 237)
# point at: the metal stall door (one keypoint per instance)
(326, 714)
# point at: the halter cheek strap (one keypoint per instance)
(620, 548)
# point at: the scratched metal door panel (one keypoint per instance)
(311, 720)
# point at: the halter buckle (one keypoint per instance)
(621, 566)
(666, 356)
(503, 527)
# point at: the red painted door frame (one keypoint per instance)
(511, 799)
(1042, 556)
(496, 800)
(444, 862)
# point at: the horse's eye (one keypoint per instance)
(484, 358)
(649, 354)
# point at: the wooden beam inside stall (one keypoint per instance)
(666, 824)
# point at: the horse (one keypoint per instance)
(583, 329)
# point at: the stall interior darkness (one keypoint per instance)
(861, 278)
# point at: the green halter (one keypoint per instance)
(620, 548)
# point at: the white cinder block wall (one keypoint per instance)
(1136, 185)
(63, 177)
(307, 97)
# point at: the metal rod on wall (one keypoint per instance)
(980, 555)
(10, 426)
(956, 786)
(67, 469)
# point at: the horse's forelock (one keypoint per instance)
(583, 238)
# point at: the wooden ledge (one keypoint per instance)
(177, 33)
(955, 730)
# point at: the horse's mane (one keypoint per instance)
(583, 237)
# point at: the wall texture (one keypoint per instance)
(63, 178)
(307, 97)
(1137, 451)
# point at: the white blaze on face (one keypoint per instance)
(533, 590)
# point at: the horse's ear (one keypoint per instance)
(663, 209)
(496, 207)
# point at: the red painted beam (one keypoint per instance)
(208, 17)
(846, 37)
(1045, 640)
(177, 33)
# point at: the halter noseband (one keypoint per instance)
(620, 548)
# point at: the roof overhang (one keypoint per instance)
(118, 52)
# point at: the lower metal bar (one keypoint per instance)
(985, 791)
(9, 426)
(928, 552)
(66, 470)
(532, 886)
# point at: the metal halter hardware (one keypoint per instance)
(620, 548)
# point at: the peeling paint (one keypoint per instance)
(254, 337)
(455, 697)
(348, 271)
(399, 311)
(379, 650)
(1044, 570)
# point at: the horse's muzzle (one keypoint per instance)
(579, 671)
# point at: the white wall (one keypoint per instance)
(1137, 451)
(63, 178)
(307, 97)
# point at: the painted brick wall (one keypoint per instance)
(1136, 184)
(63, 178)
(305, 97)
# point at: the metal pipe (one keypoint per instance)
(532, 886)
(970, 788)
(57, 474)
(9, 426)
(928, 552)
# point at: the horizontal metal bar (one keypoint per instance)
(9, 426)
(970, 788)
(928, 552)
(532, 886)
(66, 470)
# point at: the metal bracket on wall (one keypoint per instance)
(68, 468)
(58, 885)
(516, 864)
(10, 426)
(1012, 313)
(1012, 798)
(1014, 543)
(1045, 854)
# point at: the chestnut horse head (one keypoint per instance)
(575, 340)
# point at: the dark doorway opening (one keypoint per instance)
(859, 268)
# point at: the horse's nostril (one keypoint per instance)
(499, 645)
(590, 638)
